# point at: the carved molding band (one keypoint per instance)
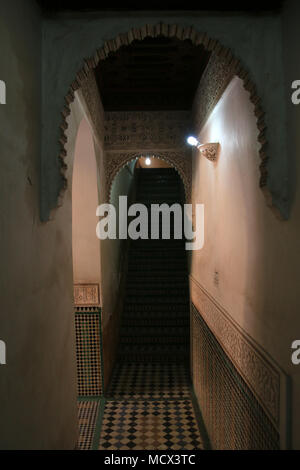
(257, 371)
(213, 83)
(86, 295)
(147, 129)
(221, 68)
(162, 134)
(210, 151)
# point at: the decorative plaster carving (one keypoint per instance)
(257, 371)
(214, 80)
(90, 93)
(156, 129)
(210, 151)
(86, 295)
(221, 68)
(129, 135)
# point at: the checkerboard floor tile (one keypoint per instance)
(149, 404)
(148, 407)
(87, 417)
(154, 380)
(150, 425)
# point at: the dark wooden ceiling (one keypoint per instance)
(153, 74)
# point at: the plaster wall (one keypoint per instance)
(113, 275)
(250, 259)
(93, 260)
(38, 383)
(111, 250)
(85, 244)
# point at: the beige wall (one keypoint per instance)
(95, 260)
(85, 244)
(250, 262)
(155, 163)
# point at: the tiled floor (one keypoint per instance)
(150, 425)
(149, 404)
(148, 407)
(148, 381)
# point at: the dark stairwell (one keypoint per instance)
(149, 403)
(155, 322)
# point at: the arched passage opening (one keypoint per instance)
(135, 160)
(221, 67)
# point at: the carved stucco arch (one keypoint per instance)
(224, 64)
(122, 159)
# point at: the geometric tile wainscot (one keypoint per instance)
(228, 366)
(89, 363)
(89, 352)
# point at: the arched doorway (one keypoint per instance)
(221, 68)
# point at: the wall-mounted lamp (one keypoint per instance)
(210, 151)
(193, 141)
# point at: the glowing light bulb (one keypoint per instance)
(148, 161)
(192, 141)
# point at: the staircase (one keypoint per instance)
(149, 403)
(155, 320)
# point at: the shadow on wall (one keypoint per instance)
(114, 270)
(238, 267)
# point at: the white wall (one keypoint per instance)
(85, 244)
(256, 256)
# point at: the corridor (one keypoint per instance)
(149, 404)
(113, 341)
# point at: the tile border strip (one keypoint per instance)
(97, 432)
